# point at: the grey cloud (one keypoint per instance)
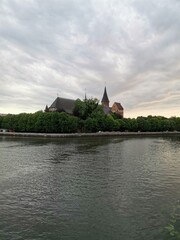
(51, 47)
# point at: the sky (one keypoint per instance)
(51, 48)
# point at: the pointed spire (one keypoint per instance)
(85, 97)
(105, 99)
(46, 109)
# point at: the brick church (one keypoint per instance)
(67, 105)
(116, 107)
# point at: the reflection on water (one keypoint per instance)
(88, 188)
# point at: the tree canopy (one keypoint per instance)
(88, 116)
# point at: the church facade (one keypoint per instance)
(116, 107)
(67, 105)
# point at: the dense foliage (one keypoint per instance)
(52, 122)
(88, 117)
(85, 109)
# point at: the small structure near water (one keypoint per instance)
(3, 130)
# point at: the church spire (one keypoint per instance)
(85, 97)
(105, 99)
(46, 109)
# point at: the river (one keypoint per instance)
(91, 188)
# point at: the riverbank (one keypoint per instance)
(65, 135)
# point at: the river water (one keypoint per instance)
(88, 188)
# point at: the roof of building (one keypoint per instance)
(105, 98)
(119, 106)
(63, 105)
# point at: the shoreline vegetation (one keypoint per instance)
(98, 134)
(88, 119)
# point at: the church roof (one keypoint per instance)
(105, 96)
(63, 105)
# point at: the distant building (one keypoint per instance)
(61, 105)
(116, 107)
(3, 130)
(67, 105)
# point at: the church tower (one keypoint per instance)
(105, 99)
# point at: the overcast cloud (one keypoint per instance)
(61, 47)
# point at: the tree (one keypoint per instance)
(91, 125)
(84, 109)
(110, 123)
(143, 124)
(91, 118)
(1, 119)
(121, 125)
(67, 123)
(79, 109)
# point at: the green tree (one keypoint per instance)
(122, 125)
(91, 125)
(8, 121)
(1, 119)
(110, 123)
(143, 124)
(91, 119)
(84, 109)
(67, 123)
(79, 109)
(155, 123)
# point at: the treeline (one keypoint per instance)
(88, 116)
(54, 122)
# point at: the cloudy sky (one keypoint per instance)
(62, 47)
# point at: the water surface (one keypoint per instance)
(88, 188)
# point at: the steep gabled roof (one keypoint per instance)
(105, 98)
(119, 106)
(63, 105)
